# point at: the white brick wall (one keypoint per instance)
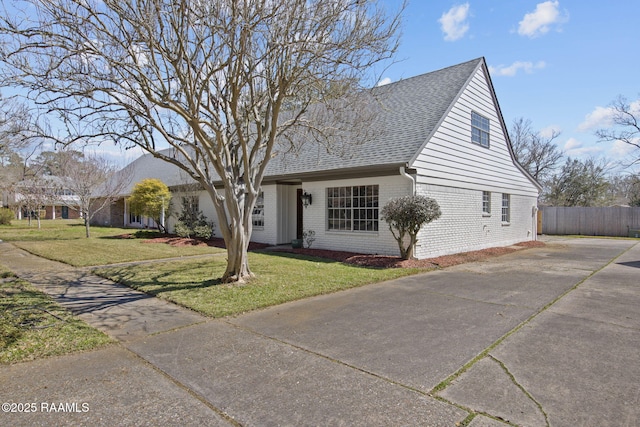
(380, 242)
(463, 227)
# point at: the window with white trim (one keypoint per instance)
(479, 129)
(506, 208)
(486, 202)
(257, 215)
(352, 208)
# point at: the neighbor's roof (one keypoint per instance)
(410, 110)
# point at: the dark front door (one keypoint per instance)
(299, 216)
(65, 212)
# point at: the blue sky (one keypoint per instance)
(558, 63)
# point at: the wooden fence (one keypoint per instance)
(616, 221)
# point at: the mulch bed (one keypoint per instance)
(364, 260)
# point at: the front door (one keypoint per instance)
(65, 212)
(299, 215)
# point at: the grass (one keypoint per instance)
(192, 283)
(65, 241)
(33, 326)
(280, 278)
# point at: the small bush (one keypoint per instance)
(407, 215)
(192, 222)
(182, 230)
(6, 215)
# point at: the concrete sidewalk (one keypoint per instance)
(546, 336)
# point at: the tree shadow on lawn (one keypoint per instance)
(160, 282)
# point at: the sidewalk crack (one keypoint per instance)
(521, 387)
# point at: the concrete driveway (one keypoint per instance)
(541, 337)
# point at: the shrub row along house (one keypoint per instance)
(443, 136)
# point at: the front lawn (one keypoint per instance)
(279, 278)
(64, 241)
(33, 326)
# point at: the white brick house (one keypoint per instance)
(447, 140)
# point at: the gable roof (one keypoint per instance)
(411, 110)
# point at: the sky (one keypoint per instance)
(559, 64)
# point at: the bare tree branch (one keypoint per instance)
(212, 79)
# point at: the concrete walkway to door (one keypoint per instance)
(544, 336)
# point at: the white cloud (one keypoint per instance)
(600, 117)
(454, 22)
(549, 131)
(384, 81)
(540, 21)
(575, 148)
(621, 149)
(511, 70)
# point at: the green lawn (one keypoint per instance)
(64, 241)
(279, 278)
(33, 326)
(192, 283)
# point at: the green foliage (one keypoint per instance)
(634, 192)
(309, 237)
(406, 215)
(580, 183)
(6, 215)
(150, 198)
(192, 222)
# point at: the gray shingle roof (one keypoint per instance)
(410, 109)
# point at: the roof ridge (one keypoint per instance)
(476, 60)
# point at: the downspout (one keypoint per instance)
(404, 173)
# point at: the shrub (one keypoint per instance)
(407, 215)
(192, 222)
(309, 237)
(6, 215)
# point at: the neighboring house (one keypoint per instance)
(47, 195)
(445, 138)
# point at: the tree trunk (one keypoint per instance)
(234, 218)
(86, 226)
(237, 255)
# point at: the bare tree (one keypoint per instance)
(538, 154)
(93, 184)
(219, 81)
(17, 145)
(626, 124)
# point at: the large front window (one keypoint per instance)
(352, 208)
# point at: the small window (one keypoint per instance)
(486, 202)
(479, 129)
(506, 208)
(257, 216)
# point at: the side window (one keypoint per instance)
(486, 202)
(257, 216)
(479, 129)
(506, 208)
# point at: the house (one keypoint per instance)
(47, 195)
(445, 138)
